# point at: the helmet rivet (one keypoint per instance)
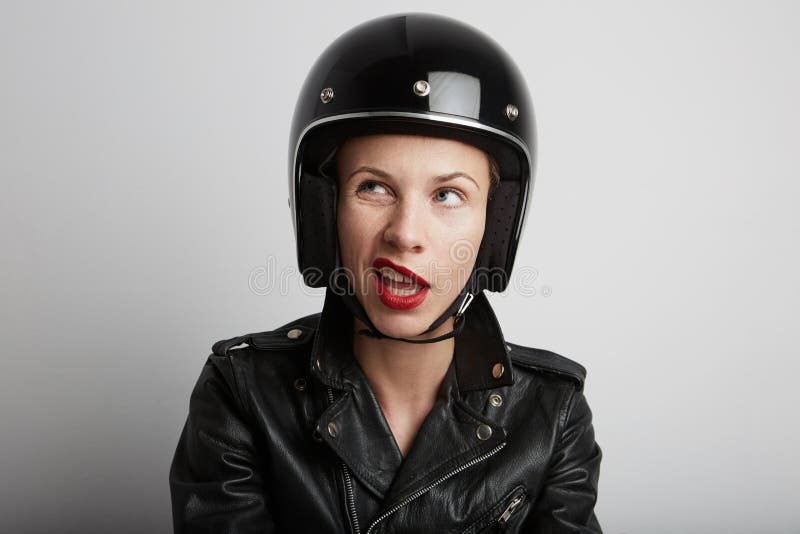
(326, 95)
(422, 88)
(512, 112)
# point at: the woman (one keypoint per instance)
(399, 408)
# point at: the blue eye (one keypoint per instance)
(448, 197)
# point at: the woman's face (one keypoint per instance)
(411, 214)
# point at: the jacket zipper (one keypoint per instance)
(424, 490)
(348, 484)
(512, 506)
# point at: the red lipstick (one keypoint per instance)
(392, 290)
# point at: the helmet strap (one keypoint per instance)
(458, 307)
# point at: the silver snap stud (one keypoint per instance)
(300, 384)
(484, 432)
(294, 333)
(495, 400)
(317, 364)
(498, 370)
(326, 95)
(316, 435)
(422, 88)
(332, 429)
(512, 112)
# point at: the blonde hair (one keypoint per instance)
(494, 174)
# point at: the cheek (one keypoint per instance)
(464, 240)
(355, 233)
(346, 228)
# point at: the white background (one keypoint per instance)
(143, 161)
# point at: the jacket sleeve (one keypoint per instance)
(215, 478)
(566, 501)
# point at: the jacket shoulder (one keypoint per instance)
(548, 362)
(294, 334)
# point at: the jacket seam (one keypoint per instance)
(566, 413)
(560, 373)
(222, 444)
(237, 387)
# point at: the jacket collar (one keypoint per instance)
(480, 358)
(354, 425)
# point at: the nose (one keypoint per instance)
(405, 229)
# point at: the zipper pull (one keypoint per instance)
(510, 509)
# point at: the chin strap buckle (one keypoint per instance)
(464, 304)
(458, 325)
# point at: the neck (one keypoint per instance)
(404, 373)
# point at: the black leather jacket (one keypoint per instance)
(285, 435)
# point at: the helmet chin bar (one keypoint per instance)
(457, 308)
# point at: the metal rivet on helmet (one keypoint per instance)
(422, 88)
(326, 95)
(512, 112)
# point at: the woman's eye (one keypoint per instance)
(371, 187)
(448, 197)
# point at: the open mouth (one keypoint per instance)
(398, 287)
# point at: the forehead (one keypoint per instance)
(410, 153)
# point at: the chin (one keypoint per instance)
(404, 327)
(395, 323)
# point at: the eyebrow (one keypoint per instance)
(453, 175)
(437, 179)
(371, 170)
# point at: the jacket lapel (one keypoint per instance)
(356, 430)
(452, 437)
(353, 424)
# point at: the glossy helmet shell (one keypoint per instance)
(412, 74)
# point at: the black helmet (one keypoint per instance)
(415, 74)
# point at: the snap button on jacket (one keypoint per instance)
(284, 434)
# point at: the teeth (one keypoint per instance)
(406, 292)
(391, 274)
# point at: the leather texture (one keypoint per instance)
(284, 434)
